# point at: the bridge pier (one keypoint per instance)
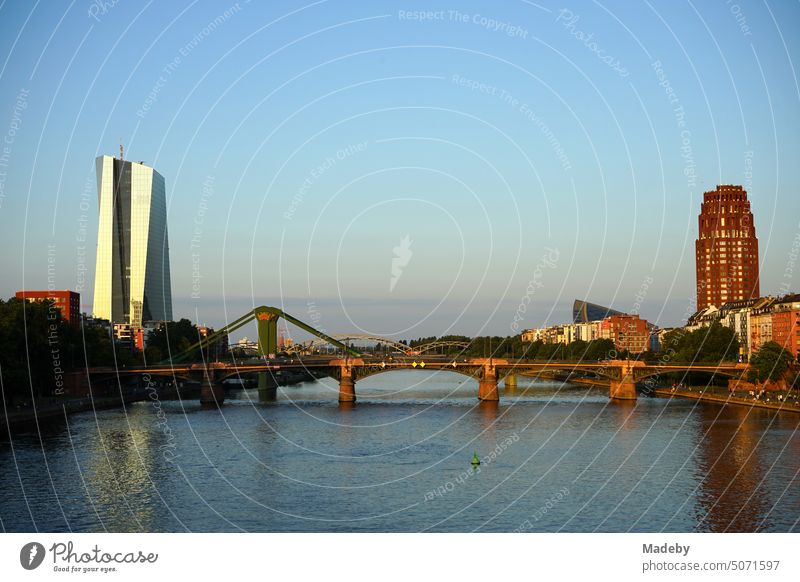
(347, 378)
(625, 387)
(622, 390)
(212, 394)
(347, 389)
(487, 387)
(511, 382)
(267, 387)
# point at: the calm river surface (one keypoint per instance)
(555, 458)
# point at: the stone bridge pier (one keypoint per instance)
(624, 388)
(347, 378)
(347, 386)
(212, 392)
(487, 382)
(267, 387)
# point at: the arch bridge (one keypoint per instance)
(309, 347)
(352, 366)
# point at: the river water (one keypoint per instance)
(555, 457)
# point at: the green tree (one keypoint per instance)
(153, 354)
(29, 331)
(530, 350)
(771, 362)
(551, 352)
(577, 350)
(174, 338)
(709, 344)
(38, 348)
(600, 349)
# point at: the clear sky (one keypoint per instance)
(375, 169)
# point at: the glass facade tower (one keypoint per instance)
(132, 276)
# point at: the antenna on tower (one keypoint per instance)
(120, 149)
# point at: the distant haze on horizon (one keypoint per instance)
(402, 173)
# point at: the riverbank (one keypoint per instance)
(55, 409)
(706, 395)
(601, 382)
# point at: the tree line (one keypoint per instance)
(712, 344)
(38, 348)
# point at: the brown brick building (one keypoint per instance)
(726, 248)
(628, 332)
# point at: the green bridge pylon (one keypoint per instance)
(266, 319)
(267, 322)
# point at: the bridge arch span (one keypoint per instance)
(710, 370)
(343, 338)
(432, 346)
(472, 373)
(600, 370)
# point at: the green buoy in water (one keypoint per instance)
(475, 460)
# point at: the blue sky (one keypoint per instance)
(301, 142)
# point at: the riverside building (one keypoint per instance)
(132, 275)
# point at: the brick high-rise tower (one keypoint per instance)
(726, 248)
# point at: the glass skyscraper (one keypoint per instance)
(132, 277)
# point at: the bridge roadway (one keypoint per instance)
(622, 374)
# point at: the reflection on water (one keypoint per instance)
(400, 461)
(738, 492)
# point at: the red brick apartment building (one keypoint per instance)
(67, 302)
(628, 332)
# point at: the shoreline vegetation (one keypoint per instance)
(788, 402)
(38, 350)
(56, 409)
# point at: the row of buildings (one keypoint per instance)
(756, 322)
(67, 303)
(728, 290)
(590, 322)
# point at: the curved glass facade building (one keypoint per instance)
(132, 276)
(583, 312)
